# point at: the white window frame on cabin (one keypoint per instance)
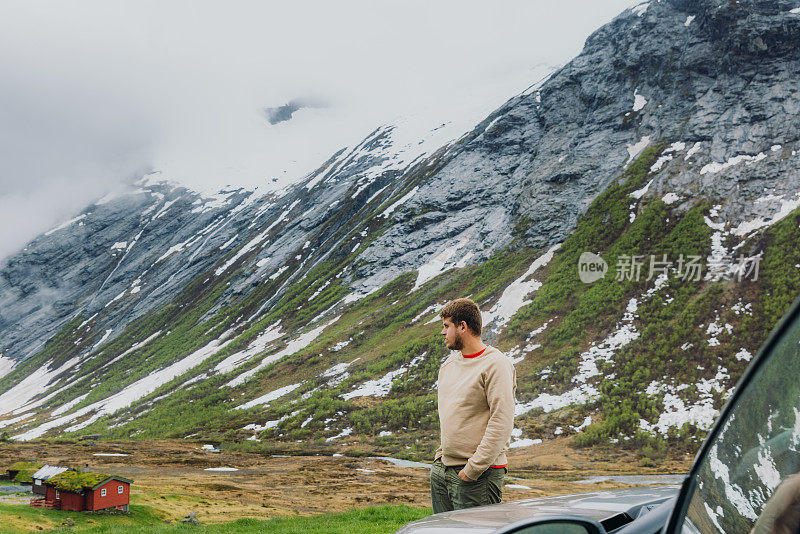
(103, 492)
(120, 489)
(57, 497)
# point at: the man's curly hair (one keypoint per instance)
(463, 310)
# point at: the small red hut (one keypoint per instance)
(87, 491)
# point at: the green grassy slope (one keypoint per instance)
(382, 333)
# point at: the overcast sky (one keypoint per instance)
(95, 93)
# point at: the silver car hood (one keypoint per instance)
(598, 505)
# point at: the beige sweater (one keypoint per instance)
(476, 410)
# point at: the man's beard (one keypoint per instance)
(458, 343)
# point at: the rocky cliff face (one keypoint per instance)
(676, 124)
(718, 79)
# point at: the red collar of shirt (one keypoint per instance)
(474, 355)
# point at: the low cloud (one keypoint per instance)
(58, 154)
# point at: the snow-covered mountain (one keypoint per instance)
(306, 313)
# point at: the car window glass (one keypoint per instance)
(750, 475)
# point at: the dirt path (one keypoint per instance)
(170, 476)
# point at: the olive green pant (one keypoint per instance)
(449, 492)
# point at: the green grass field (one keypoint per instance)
(378, 520)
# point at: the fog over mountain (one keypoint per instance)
(95, 93)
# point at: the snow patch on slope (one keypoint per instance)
(405, 198)
(338, 373)
(677, 412)
(130, 393)
(66, 224)
(133, 347)
(514, 296)
(715, 167)
(33, 385)
(787, 206)
(605, 350)
(258, 345)
(69, 405)
(376, 388)
(6, 365)
(636, 149)
(269, 397)
(253, 243)
(293, 346)
(640, 9)
(547, 402)
(442, 262)
(638, 101)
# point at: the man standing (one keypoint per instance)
(476, 414)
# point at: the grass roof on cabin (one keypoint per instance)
(25, 464)
(25, 469)
(75, 482)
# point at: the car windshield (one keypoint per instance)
(749, 479)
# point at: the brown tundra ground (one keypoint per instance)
(170, 476)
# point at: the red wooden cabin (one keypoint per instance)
(112, 493)
(87, 491)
